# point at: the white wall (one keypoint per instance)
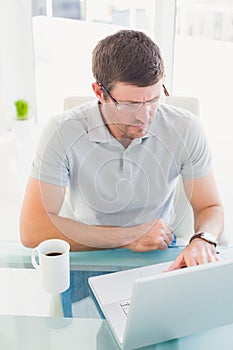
(63, 50)
(17, 80)
(16, 53)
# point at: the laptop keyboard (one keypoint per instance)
(124, 304)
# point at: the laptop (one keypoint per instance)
(146, 305)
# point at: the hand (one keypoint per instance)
(196, 253)
(153, 235)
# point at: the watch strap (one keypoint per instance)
(200, 235)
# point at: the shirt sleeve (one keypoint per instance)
(50, 163)
(196, 159)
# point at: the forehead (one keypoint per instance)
(126, 91)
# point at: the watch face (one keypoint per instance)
(209, 237)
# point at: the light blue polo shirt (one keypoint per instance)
(112, 185)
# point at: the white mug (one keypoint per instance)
(54, 264)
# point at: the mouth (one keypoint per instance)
(138, 127)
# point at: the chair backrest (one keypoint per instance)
(189, 103)
(184, 221)
(73, 101)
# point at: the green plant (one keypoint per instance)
(21, 109)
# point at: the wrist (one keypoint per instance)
(206, 236)
(129, 235)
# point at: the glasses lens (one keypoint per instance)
(134, 107)
(153, 104)
(129, 108)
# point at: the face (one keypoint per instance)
(127, 125)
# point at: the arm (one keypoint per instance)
(208, 216)
(40, 220)
(206, 204)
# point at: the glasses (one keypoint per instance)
(132, 107)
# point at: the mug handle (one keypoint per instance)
(33, 258)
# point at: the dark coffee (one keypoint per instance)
(54, 254)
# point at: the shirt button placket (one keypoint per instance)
(127, 165)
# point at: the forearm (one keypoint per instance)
(81, 237)
(94, 237)
(210, 219)
(40, 220)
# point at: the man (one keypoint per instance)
(121, 159)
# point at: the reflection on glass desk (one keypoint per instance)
(37, 333)
(82, 325)
(83, 264)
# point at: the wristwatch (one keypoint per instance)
(207, 236)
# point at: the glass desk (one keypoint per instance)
(86, 331)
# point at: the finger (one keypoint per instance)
(191, 261)
(218, 256)
(170, 237)
(161, 243)
(167, 239)
(164, 244)
(167, 244)
(208, 255)
(202, 259)
(170, 229)
(213, 256)
(177, 264)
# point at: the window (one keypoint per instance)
(136, 14)
(203, 68)
(64, 34)
(38, 7)
(73, 9)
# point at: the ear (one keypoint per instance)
(98, 92)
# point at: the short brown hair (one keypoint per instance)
(127, 56)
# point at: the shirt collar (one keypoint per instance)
(97, 130)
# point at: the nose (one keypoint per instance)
(143, 114)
